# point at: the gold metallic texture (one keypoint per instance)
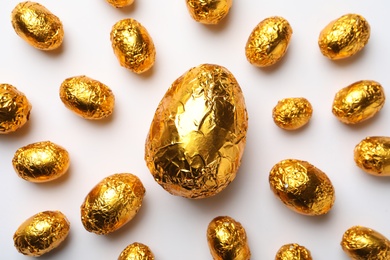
(292, 113)
(37, 26)
(362, 243)
(293, 252)
(41, 233)
(112, 203)
(136, 251)
(198, 133)
(268, 42)
(344, 36)
(358, 102)
(120, 3)
(41, 161)
(133, 46)
(87, 97)
(302, 187)
(209, 11)
(14, 109)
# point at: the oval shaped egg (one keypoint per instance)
(136, 251)
(41, 161)
(14, 109)
(302, 187)
(292, 113)
(293, 252)
(268, 41)
(37, 26)
(358, 102)
(227, 239)
(344, 36)
(361, 243)
(372, 155)
(112, 203)
(120, 3)
(87, 97)
(41, 233)
(198, 133)
(209, 12)
(133, 45)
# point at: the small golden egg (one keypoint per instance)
(292, 113)
(133, 45)
(358, 102)
(344, 36)
(136, 251)
(268, 41)
(112, 203)
(14, 109)
(209, 11)
(41, 233)
(227, 239)
(120, 3)
(302, 187)
(37, 26)
(293, 252)
(41, 161)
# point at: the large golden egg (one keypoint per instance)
(209, 11)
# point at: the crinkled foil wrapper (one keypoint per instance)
(373, 155)
(362, 243)
(136, 251)
(120, 3)
(292, 113)
(37, 26)
(41, 233)
(14, 109)
(227, 239)
(198, 133)
(293, 252)
(209, 11)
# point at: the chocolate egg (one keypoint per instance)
(136, 251)
(292, 113)
(120, 3)
(293, 252)
(210, 11)
(198, 133)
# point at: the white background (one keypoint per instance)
(175, 227)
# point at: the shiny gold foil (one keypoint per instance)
(37, 26)
(293, 252)
(209, 11)
(362, 243)
(41, 233)
(136, 251)
(227, 239)
(358, 102)
(344, 36)
(14, 109)
(120, 3)
(133, 46)
(302, 187)
(87, 97)
(372, 155)
(41, 162)
(268, 41)
(198, 133)
(292, 113)
(112, 203)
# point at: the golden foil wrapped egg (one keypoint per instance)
(37, 26)
(302, 187)
(41, 233)
(87, 97)
(198, 133)
(293, 252)
(120, 3)
(227, 239)
(208, 11)
(133, 46)
(136, 251)
(362, 243)
(41, 161)
(268, 41)
(14, 109)
(292, 113)
(344, 36)
(372, 155)
(112, 203)
(358, 102)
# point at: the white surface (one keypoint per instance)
(174, 227)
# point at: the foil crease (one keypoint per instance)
(198, 133)
(209, 11)
(293, 252)
(41, 233)
(14, 109)
(120, 3)
(302, 187)
(112, 203)
(292, 113)
(358, 102)
(136, 251)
